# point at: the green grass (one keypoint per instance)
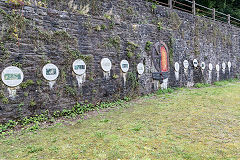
(197, 124)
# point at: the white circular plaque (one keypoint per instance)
(177, 67)
(124, 66)
(217, 67)
(203, 66)
(195, 63)
(50, 72)
(185, 64)
(140, 68)
(229, 64)
(106, 64)
(12, 76)
(79, 67)
(210, 66)
(223, 65)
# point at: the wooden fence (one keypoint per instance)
(197, 9)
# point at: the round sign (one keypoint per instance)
(210, 66)
(229, 64)
(106, 64)
(177, 67)
(140, 68)
(195, 63)
(124, 66)
(203, 66)
(217, 67)
(79, 67)
(223, 65)
(185, 64)
(12, 76)
(50, 72)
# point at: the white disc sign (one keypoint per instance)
(185, 64)
(223, 65)
(210, 66)
(106, 64)
(195, 63)
(140, 68)
(50, 72)
(12, 76)
(124, 66)
(177, 67)
(217, 67)
(203, 66)
(79, 67)
(229, 64)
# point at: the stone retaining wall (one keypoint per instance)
(119, 29)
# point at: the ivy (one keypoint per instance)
(132, 78)
(78, 109)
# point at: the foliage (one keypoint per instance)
(159, 26)
(148, 46)
(16, 2)
(71, 91)
(29, 82)
(131, 47)
(115, 76)
(137, 128)
(16, 24)
(114, 42)
(78, 109)
(5, 100)
(132, 79)
(231, 7)
(32, 103)
(164, 91)
(154, 6)
(201, 85)
(75, 54)
(228, 7)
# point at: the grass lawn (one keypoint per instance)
(199, 123)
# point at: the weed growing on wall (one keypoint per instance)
(148, 46)
(132, 79)
(131, 48)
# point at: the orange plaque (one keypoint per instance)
(164, 59)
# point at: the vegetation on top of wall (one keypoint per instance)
(41, 3)
(16, 23)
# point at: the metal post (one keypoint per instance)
(214, 14)
(194, 7)
(229, 19)
(170, 4)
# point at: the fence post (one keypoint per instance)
(229, 19)
(194, 7)
(214, 14)
(170, 4)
